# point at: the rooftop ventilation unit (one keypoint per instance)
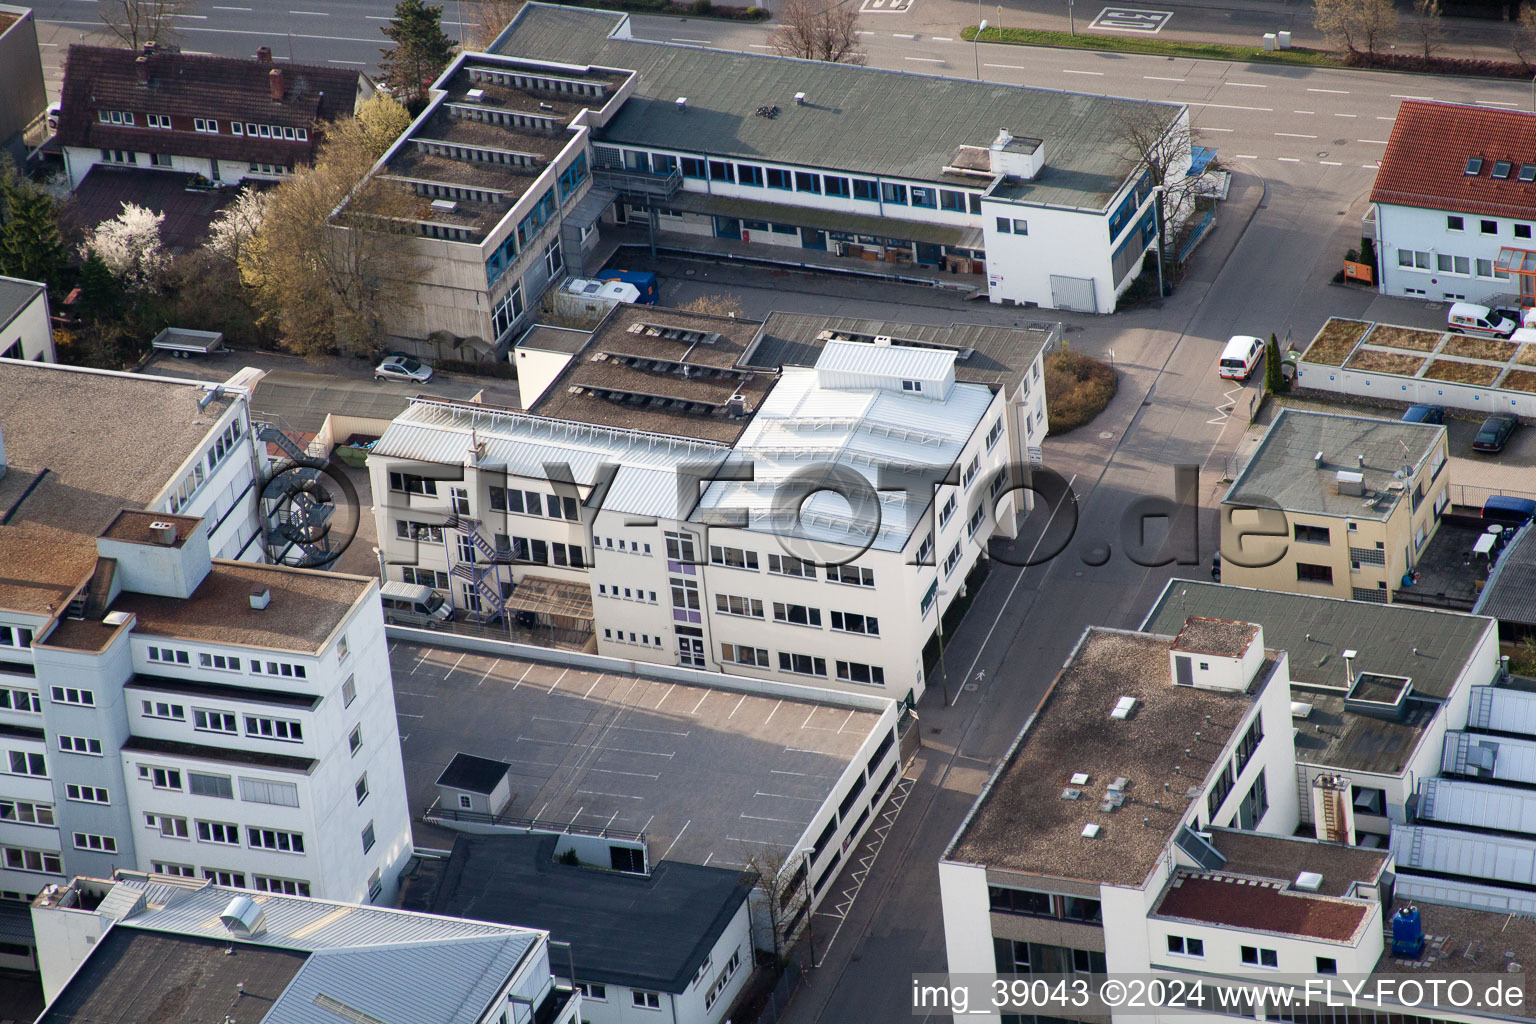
(475, 95)
(1317, 460)
(1119, 785)
(1071, 794)
(444, 206)
(1091, 831)
(1123, 708)
(118, 618)
(682, 104)
(1300, 709)
(162, 532)
(799, 99)
(1079, 778)
(1308, 881)
(884, 339)
(261, 597)
(243, 917)
(1350, 482)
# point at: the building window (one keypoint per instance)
(360, 788)
(749, 174)
(71, 695)
(349, 691)
(692, 167)
(1311, 534)
(891, 192)
(779, 179)
(86, 794)
(853, 575)
(1489, 227)
(796, 614)
(856, 672)
(835, 186)
(719, 170)
(785, 565)
(26, 812)
(802, 664)
(730, 604)
(221, 832)
(1522, 231)
(1219, 790)
(203, 784)
(733, 558)
(1021, 227)
(1256, 957)
(355, 739)
(231, 879)
(740, 654)
(807, 182)
(1255, 804)
(215, 721)
(285, 886)
(161, 778)
(649, 1000)
(219, 661)
(168, 656)
(1004, 226)
(80, 745)
(169, 826)
(592, 990)
(1306, 572)
(273, 729)
(38, 861)
(259, 791)
(161, 867)
(274, 839)
(927, 198)
(27, 763)
(994, 434)
(15, 636)
(95, 843)
(20, 700)
(1327, 965)
(406, 483)
(951, 560)
(849, 622)
(1454, 223)
(368, 838)
(1178, 945)
(1250, 742)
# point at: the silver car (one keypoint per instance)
(403, 368)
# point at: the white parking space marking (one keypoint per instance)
(1131, 19)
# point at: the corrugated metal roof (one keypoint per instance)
(1470, 854)
(1501, 708)
(887, 360)
(444, 982)
(16, 923)
(1477, 805)
(1510, 594)
(1489, 757)
(294, 922)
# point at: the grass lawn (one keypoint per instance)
(1077, 388)
(1403, 337)
(1170, 47)
(1385, 362)
(1335, 341)
(1480, 374)
(1527, 355)
(1519, 380)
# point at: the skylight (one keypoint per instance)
(1528, 172)
(1501, 170)
(1474, 166)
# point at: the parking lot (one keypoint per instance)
(711, 776)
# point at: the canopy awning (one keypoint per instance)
(546, 596)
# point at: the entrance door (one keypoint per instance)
(690, 651)
(728, 227)
(811, 238)
(213, 170)
(929, 254)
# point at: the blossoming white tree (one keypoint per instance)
(237, 224)
(131, 247)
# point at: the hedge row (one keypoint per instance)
(1439, 65)
(695, 9)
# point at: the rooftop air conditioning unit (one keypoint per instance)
(444, 206)
(1123, 708)
(162, 532)
(475, 95)
(883, 339)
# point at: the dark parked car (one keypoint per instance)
(1494, 434)
(1424, 414)
(1216, 567)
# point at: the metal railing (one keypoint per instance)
(1476, 496)
(438, 813)
(640, 183)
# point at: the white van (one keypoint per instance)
(1470, 318)
(1240, 356)
(413, 604)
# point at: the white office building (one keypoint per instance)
(26, 325)
(641, 505)
(131, 947)
(164, 706)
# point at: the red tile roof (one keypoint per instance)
(1261, 906)
(1426, 160)
(185, 86)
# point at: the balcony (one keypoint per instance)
(638, 183)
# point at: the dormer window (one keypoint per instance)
(1474, 166)
(912, 385)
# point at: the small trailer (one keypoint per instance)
(184, 344)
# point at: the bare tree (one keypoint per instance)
(1162, 146)
(1523, 38)
(1428, 29)
(819, 30)
(136, 22)
(487, 20)
(780, 893)
(327, 264)
(1355, 25)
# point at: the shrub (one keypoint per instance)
(1077, 388)
(700, 6)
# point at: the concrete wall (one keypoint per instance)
(536, 370)
(29, 334)
(1393, 387)
(22, 93)
(1413, 229)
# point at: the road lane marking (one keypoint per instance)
(1160, 78)
(904, 35)
(1373, 142)
(1245, 156)
(1400, 96)
(1330, 163)
(218, 8)
(1371, 167)
(1346, 115)
(1246, 85)
(1496, 103)
(1383, 117)
(1207, 128)
(1294, 135)
(926, 60)
(1303, 111)
(698, 42)
(1010, 67)
(1289, 159)
(333, 60)
(1229, 106)
(760, 46)
(312, 14)
(1069, 71)
(1341, 92)
(943, 39)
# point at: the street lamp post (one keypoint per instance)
(810, 911)
(938, 599)
(1157, 201)
(1071, 19)
(977, 41)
